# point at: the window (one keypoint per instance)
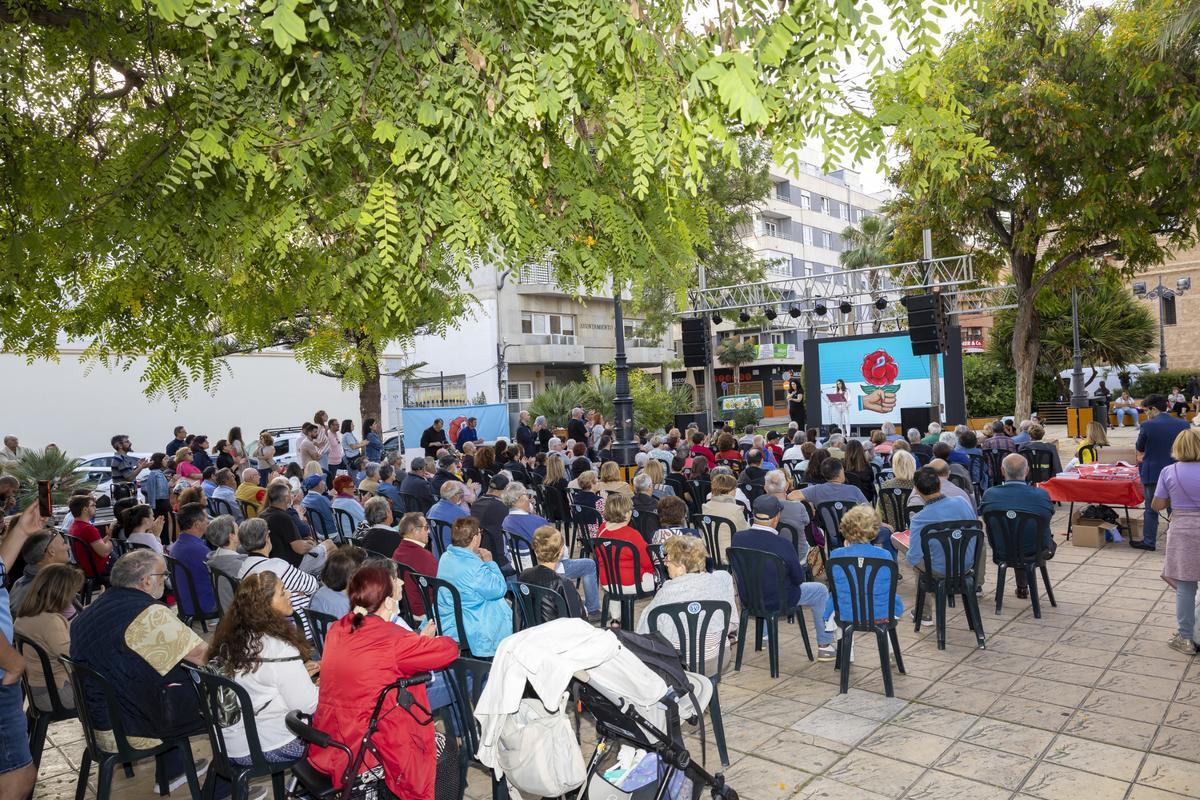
(783, 191)
(805, 199)
(631, 337)
(548, 328)
(519, 395)
(835, 209)
(768, 227)
(774, 338)
(818, 203)
(809, 234)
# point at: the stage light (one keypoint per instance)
(819, 309)
(770, 313)
(717, 318)
(744, 316)
(1139, 288)
(881, 303)
(794, 312)
(845, 307)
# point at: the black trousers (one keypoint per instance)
(1048, 553)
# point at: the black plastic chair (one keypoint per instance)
(321, 527)
(877, 477)
(710, 527)
(414, 503)
(319, 624)
(828, 516)
(790, 532)
(692, 622)
(862, 574)
(583, 519)
(430, 588)
(184, 581)
(533, 602)
(894, 503)
(953, 539)
(218, 506)
(699, 490)
(344, 521)
(1007, 532)
(753, 490)
(439, 536)
(1041, 465)
(520, 555)
(678, 485)
(248, 510)
(466, 678)
(752, 571)
(39, 720)
(82, 553)
(554, 504)
(644, 522)
(84, 677)
(994, 460)
(961, 483)
(216, 577)
(609, 553)
(209, 688)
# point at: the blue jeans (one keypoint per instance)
(584, 569)
(1185, 608)
(814, 596)
(14, 744)
(289, 752)
(1150, 521)
(1121, 412)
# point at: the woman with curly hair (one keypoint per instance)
(257, 646)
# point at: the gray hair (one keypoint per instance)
(1015, 467)
(451, 490)
(1025, 424)
(134, 567)
(960, 429)
(372, 470)
(775, 482)
(949, 437)
(758, 441)
(888, 429)
(541, 420)
(219, 530)
(655, 440)
(642, 483)
(935, 427)
(376, 510)
(640, 459)
(721, 470)
(253, 534)
(914, 435)
(555, 444)
(279, 493)
(417, 464)
(511, 493)
(836, 439)
(250, 475)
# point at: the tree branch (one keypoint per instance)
(1092, 251)
(993, 218)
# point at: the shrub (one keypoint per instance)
(991, 387)
(1147, 383)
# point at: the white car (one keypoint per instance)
(96, 468)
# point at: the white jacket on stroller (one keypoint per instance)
(546, 657)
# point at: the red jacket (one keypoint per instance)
(355, 667)
(421, 561)
(625, 565)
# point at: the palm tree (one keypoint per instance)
(732, 352)
(47, 465)
(866, 246)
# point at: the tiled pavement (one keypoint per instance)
(1086, 703)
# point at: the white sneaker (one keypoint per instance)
(826, 652)
(1181, 644)
(181, 778)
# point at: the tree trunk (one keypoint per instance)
(1026, 346)
(369, 400)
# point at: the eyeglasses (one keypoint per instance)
(159, 574)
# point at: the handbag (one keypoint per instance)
(538, 751)
(229, 707)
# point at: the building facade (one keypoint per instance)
(1182, 323)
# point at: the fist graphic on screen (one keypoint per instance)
(880, 372)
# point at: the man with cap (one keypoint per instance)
(317, 507)
(416, 482)
(491, 511)
(446, 471)
(763, 535)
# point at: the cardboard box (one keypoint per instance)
(1133, 531)
(1091, 533)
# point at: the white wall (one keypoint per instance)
(57, 402)
(468, 349)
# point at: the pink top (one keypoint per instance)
(335, 449)
(188, 470)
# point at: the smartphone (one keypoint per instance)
(45, 501)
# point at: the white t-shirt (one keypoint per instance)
(149, 539)
(275, 688)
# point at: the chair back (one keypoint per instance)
(853, 583)
(538, 604)
(414, 503)
(555, 503)
(993, 459)
(957, 540)
(1041, 464)
(828, 516)
(894, 502)
(216, 577)
(582, 519)
(344, 521)
(321, 527)
(645, 522)
(692, 623)
(788, 466)
(1010, 533)
(248, 510)
(439, 536)
(83, 553)
(467, 676)
(432, 589)
(753, 490)
(754, 570)
(319, 624)
(57, 711)
(1089, 450)
(710, 528)
(733, 464)
(658, 558)
(791, 533)
(539, 495)
(218, 506)
(961, 482)
(699, 489)
(520, 555)
(678, 485)
(210, 689)
(92, 692)
(609, 554)
(185, 586)
(876, 473)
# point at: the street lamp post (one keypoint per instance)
(1162, 294)
(624, 449)
(1079, 398)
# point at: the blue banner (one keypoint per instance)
(491, 422)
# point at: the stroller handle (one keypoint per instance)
(418, 678)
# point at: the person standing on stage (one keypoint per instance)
(796, 408)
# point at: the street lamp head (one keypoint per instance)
(1183, 284)
(1139, 288)
(845, 307)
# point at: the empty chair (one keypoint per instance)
(718, 535)
(1015, 537)
(752, 571)
(956, 542)
(862, 603)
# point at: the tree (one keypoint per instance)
(183, 177)
(733, 352)
(867, 246)
(1093, 145)
(1115, 329)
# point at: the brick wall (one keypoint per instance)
(1182, 338)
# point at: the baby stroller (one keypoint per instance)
(358, 784)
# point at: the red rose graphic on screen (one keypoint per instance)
(879, 392)
(455, 426)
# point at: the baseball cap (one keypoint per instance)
(498, 481)
(767, 507)
(311, 481)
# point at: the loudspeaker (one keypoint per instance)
(696, 341)
(927, 323)
(916, 417)
(700, 418)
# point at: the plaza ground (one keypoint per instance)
(1087, 702)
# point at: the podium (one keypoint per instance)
(1077, 421)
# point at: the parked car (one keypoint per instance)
(96, 469)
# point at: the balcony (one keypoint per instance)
(546, 352)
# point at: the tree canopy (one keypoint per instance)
(1093, 143)
(185, 176)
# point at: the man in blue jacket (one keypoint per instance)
(1154, 452)
(1017, 495)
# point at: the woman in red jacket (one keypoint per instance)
(364, 652)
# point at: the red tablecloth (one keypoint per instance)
(1084, 490)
